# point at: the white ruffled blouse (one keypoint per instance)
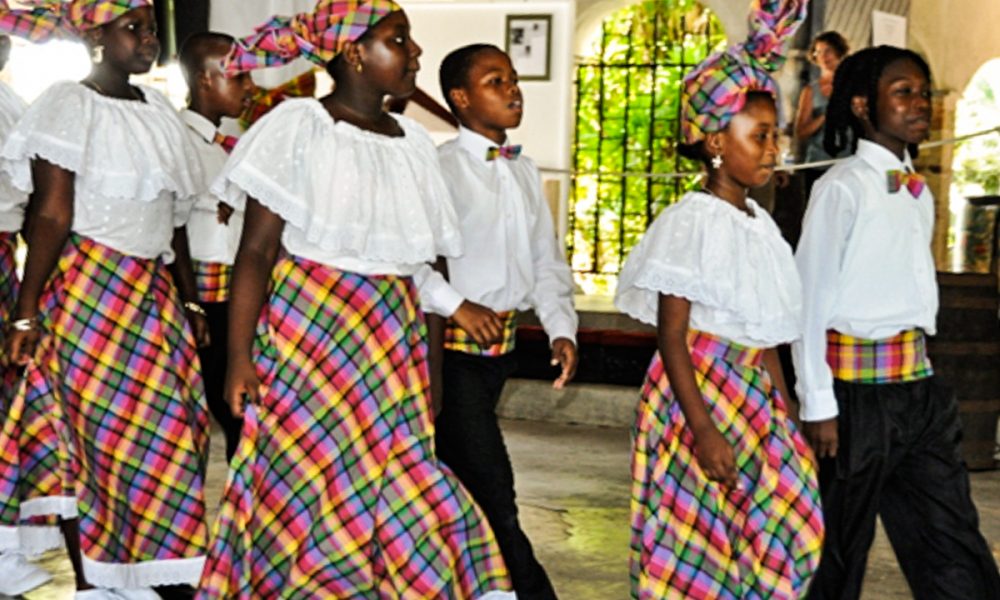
(136, 173)
(351, 199)
(12, 200)
(737, 271)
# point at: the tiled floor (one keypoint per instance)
(573, 485)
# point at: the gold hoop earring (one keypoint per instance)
(716, 161)
(97, 55)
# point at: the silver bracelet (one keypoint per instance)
(195, 308)
(24, 324)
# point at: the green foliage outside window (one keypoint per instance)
(628, 102)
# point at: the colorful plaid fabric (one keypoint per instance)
(508, 152)
(456, 338)
(318, 36)
(902, 357)
(118, 367)
(45, 20)
(335, 491)
(913, 182)
(213, 280)
(692, 539)
(9, 283)
(716, 89)
(265, 99)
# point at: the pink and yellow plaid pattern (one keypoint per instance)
(213, 280)
(44, 20)
(118, 363)
(335, 491)
(690, 537)
(900, 358)
(319, 35)
(716, 89)
(456, 338)
(913, 182)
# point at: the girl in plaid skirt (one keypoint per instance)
(117, 450)
(334, 491)
(725, 502)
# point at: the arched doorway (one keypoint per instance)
(626, 125)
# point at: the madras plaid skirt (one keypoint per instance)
(334, 491)
(9, 282)
(110, 423)
(690, 537)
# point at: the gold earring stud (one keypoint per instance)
(359, 68)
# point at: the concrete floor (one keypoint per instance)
(573, 485)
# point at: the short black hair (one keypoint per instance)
(454, 71)
(832, 39)
(858, 75)
(199, 46)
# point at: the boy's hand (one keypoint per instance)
(823, 437)
(242, 387)
(224, 212)
(564, 354)
(484, 325)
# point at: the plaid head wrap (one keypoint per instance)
(44, 20)
(318, 36)
(716, 89)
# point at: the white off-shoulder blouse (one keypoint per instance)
(12, 200)
(736, 269)
(135, 172)
(350, 198)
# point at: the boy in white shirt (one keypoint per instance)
(510, 262)
(214, 229)
(884, 427)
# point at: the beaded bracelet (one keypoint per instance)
(195, 308)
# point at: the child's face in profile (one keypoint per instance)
(391, 57)
(751, 142)
(130, 42)
(904, 105)
(491, 99)
(230, 96)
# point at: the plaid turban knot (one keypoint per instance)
(44, 20)
(717, 88)
(318, 36)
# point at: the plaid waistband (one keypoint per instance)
(727, 350)
(213, 280)
(902, 357)
(456, 338)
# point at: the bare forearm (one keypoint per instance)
(680, 372)
(46, 239)
(182, 268)
(251, 275)
(772, 363)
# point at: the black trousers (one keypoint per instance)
(899, 458)
(213, 370)
(469, 441)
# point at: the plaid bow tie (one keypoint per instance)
(228, 142)
(913, 182)
(508, 152)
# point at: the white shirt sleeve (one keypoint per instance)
(436, 294)
(552, 297)
(827, 225)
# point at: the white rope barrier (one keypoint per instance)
(789, 167)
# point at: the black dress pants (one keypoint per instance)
(213, 372)
(899, 458)
(469, 440)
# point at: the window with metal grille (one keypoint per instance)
(627, 125)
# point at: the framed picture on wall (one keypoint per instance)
(529, 44)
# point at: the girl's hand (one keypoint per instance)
(242, 387)
(19, 347)
(484, 325)
(199, 327)
(223, 213)
(564, 354)
(716, 457)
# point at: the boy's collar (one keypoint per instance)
(881, 158)
(200, 124)
(476, 144)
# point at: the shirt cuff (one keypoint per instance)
(819, 406)
(446, 301)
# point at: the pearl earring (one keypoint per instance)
(359, 68)
(97, 55)
(716, 161)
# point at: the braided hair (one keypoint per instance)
(858, 75)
